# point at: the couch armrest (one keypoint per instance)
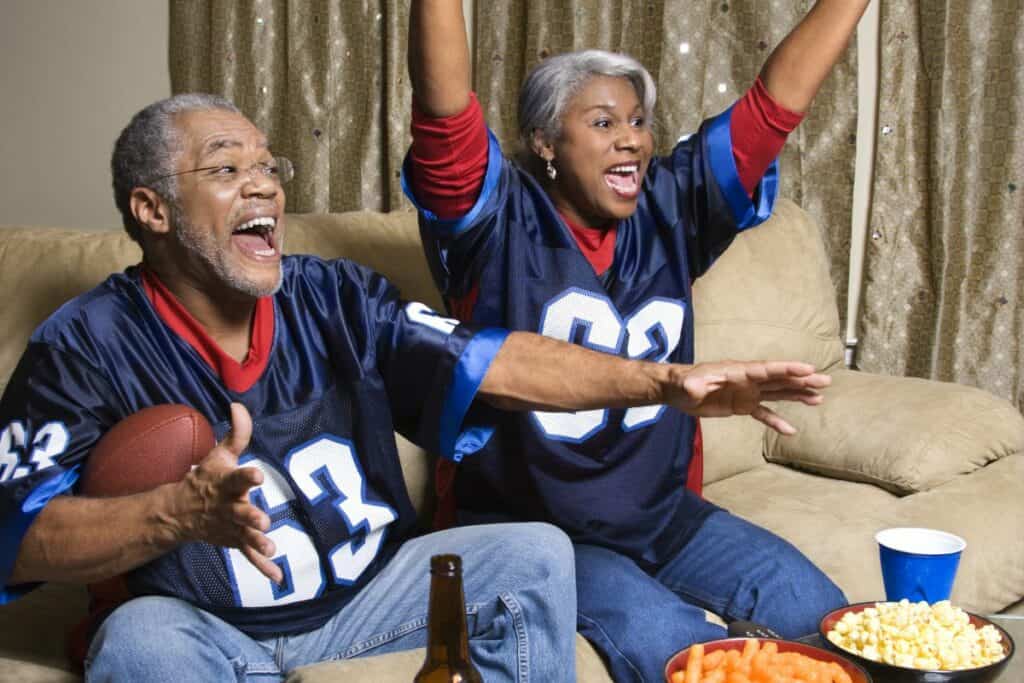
(903, 434)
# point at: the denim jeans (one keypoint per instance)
(731, 567)
(521, 616)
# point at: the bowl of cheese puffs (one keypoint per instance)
(761, 660)
(917, 642)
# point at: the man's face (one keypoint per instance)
(227, 220)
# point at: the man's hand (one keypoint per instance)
(740, 387)
(212, 503)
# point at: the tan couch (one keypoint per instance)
(882, 451)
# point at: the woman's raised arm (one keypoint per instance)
(798, 66)
(439, 57)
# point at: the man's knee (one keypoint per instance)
(542, 539)
(543, 547)
(144, 619)
(143, 628)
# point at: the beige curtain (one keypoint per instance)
(324, 79)
(945, 255)
(703, 56)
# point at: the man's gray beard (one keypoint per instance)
(202, 245)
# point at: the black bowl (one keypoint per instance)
(890, 673)
(856, 673)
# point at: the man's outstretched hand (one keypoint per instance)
(212, 502)
(728, 388)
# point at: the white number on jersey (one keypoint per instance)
(602, 329)
(424, 315)
(48, 442)
(328, 460)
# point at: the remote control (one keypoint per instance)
(750, 629)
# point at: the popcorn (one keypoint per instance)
(918, 636)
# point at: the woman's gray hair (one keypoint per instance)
(148, 148)
(555, 81)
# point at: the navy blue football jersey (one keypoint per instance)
(615, 478)
(350, 362)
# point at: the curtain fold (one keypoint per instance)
(703, 56)
(325, 81)
(944, 263)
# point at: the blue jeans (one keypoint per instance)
(521, 607)
(731, 567)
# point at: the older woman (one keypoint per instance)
(592, 239)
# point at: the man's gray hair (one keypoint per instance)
(148, 148)
(555, 81)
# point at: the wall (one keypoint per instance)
(73, 74)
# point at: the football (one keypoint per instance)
(154, 446)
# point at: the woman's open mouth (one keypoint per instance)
(624, 179)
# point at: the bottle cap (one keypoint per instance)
(446, 564)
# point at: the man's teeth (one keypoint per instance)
(256, 223)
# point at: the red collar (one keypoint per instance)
(597, 244)
(238, 377)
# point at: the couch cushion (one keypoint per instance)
(44, 268)
(387, 242)
(834, 523)
(737, 316)
(901, 433)
(35, 629)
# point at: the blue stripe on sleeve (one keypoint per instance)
(452, 227)
(723, 165)
(13, 528)
(468, 374)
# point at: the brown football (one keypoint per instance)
(154, 446)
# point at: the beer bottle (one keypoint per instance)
(447, 658)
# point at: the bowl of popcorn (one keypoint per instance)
(915, 642)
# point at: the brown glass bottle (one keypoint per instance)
(447, 640)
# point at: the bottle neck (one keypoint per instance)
(447, 638)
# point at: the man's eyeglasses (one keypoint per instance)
(280, 170)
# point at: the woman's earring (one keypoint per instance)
(551, 171)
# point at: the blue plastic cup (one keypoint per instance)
(918, 564)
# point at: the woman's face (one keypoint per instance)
(602, 153)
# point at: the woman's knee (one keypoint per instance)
(796, 608)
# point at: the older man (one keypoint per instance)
(294, 540)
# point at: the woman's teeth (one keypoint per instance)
(623, 179)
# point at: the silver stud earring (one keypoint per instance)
(551, 171)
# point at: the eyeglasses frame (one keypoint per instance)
(281, 161)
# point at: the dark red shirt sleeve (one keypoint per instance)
(449, 160)
(759, 128)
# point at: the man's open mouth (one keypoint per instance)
(624, 179)
(256, 236)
